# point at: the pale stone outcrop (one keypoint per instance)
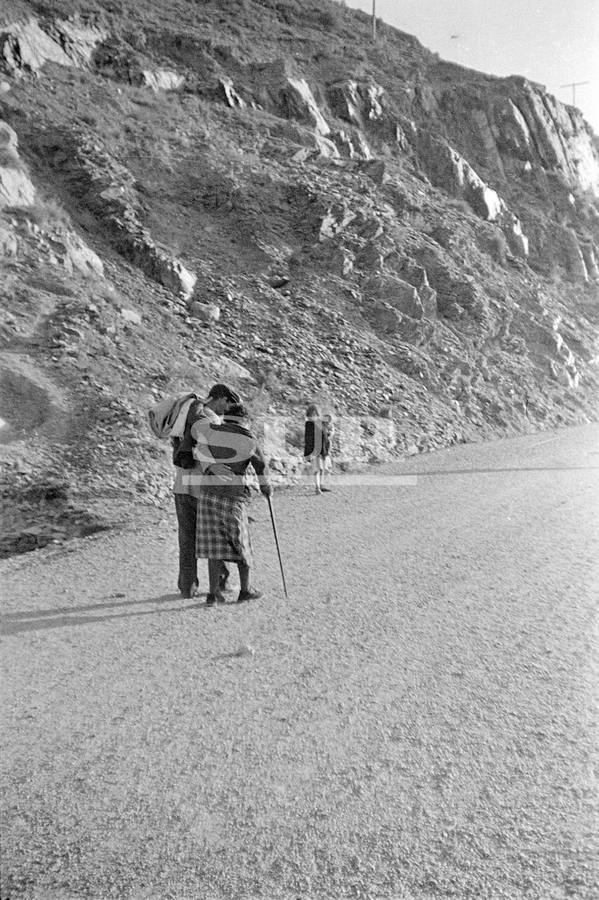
(365, 106)
(449, 170)
(298, 103)
(346, 102)
(9, 244)
(351, 144)
(590, 257)
(162, 79)
(357, 102)
(515, 119)
(79, 40)
(517, 240)
(131, 316)
(9, 142)
(277, 87)
(160, 266)
(373, 95)
(526, 122)
(16, 188)
(26, 47)
(70, 251)
(322, 148)
(284, 133)
(231, 96)
(336, 219)
(107, 189)
(559, 135)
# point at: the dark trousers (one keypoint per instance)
(186, 509)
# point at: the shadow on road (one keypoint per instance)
(61, 617)
(115, 601)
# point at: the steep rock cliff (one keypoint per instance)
(252, 191)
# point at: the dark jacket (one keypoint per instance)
(317, 438)
(183, 447)
(236, 447)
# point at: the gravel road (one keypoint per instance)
(419, 720)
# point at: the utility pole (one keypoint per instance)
(374, 20)
(574, 85)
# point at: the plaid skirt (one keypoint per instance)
(222, 529)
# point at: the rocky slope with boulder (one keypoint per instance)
(255, 192)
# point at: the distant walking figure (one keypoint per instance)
(313, 445)
(223, 529)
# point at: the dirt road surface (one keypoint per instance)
(419, 720)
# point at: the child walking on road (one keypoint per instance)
(313, 445)
(317, 445)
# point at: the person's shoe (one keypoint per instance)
(213, 599)
(244, 596)
(190, 592)
(325, 490)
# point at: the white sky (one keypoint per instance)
(553, 42)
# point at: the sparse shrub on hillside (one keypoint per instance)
(327, 20)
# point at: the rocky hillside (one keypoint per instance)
(253, 191)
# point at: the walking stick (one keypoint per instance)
(274, 528)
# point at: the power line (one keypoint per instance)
(574, 85)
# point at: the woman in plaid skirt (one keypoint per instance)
(222, 527)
